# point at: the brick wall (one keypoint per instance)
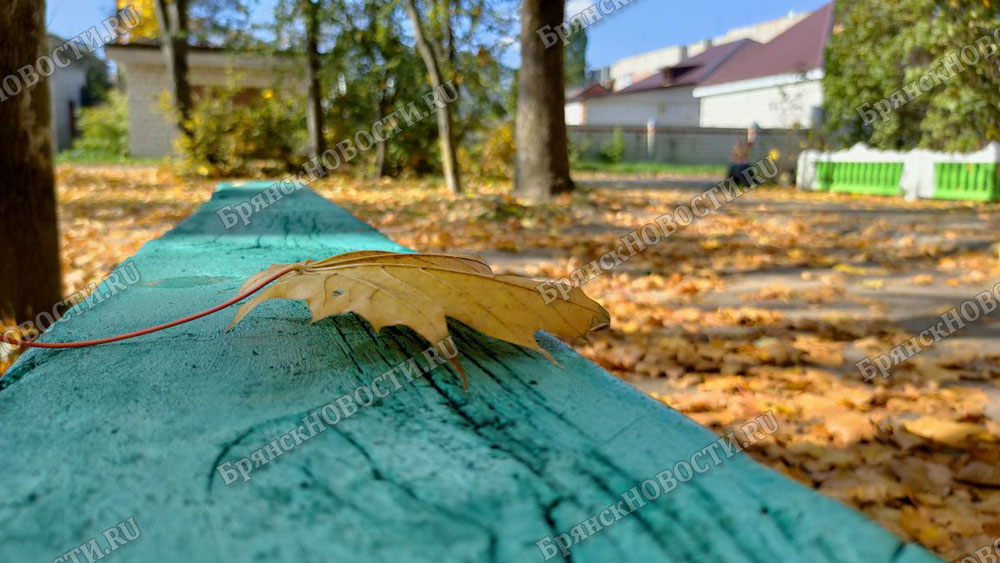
(150, 132)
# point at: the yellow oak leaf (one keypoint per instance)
(420, 290)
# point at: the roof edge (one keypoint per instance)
(760, 83)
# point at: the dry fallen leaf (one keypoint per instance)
(942, 430)
(918, 524)
(420, 290)
(980, 473)
(849, 428)
(922, 476)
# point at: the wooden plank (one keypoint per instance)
(95, 436)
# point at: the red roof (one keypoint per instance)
(799, 49)
(595, 90)
(692, 70)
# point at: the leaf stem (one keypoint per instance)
(187, 319)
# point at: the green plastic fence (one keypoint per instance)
(873, 178)
(974, 181)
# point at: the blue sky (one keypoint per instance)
(641, 26)
(66, 18)
(645, 25)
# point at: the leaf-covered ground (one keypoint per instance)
(765, 304)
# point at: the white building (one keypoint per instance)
(625, 72)
(151, 131)
(768, 74)
(776, 85)
(665, 98)
(577, 100)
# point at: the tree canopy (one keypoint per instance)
(576, 56)
(904, 41)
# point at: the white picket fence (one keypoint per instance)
(918, 179)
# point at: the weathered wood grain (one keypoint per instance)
(91, 437)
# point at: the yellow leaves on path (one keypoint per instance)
(980, 473)
(848, 427)
(943, 430)
(420, 290)
(107, 212)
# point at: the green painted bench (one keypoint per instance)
(136, 429)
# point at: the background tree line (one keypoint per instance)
(878, 47)
(360, 59)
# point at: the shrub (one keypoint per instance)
(104, 128)
(499, 152)
(614, 150)
(578, 151)
(493, 156)
(240, 132)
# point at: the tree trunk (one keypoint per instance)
(29, 256)
(449, 160)
(384, 100)
(172, 17)
(315, 103)
(379, 171)
(542, 144)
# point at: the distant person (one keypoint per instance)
(739, 160)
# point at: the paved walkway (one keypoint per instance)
(912, 273)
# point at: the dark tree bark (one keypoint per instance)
(172, 17)
(315, 103)
(379, 168)
(446, 134)
(542, 143)
(384, 102)
(29, 253)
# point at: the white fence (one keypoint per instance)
(918, 179)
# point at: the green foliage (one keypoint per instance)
(104, 128)
(575, 55)
(614, 150)
(878, 47)
(371, 73)
(708, 171)
(74, 156)
(578, 150)
(238, 132)
(493, 157)
(98, 84)
(371, 69)
(219, 23)
(470, 33)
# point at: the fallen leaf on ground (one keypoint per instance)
(922, 476)
(980, 473)
(849, 428)
(917, 522)
(942, 430)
